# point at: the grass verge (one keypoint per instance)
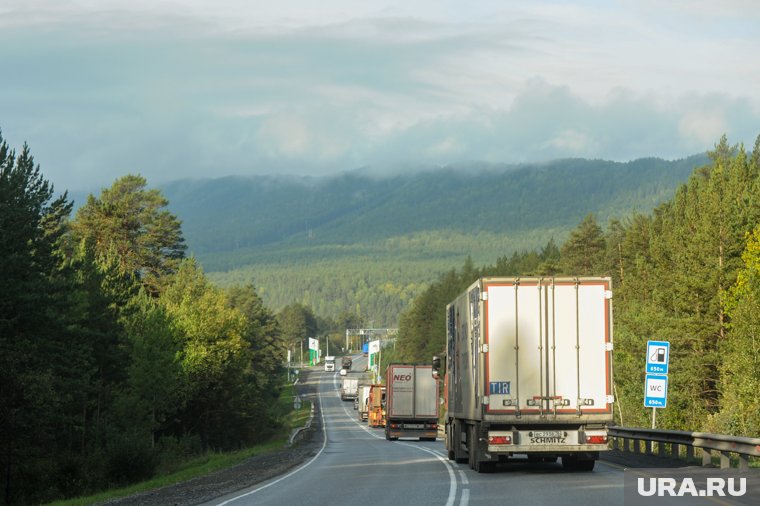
(210, 462)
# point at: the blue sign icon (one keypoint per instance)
(656, 391)
(658, 353)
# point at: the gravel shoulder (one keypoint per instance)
(254, 470)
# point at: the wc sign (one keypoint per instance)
(656, 391)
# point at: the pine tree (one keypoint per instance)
(134, 221)
(584, 251)
(740, 365)
(33, 302)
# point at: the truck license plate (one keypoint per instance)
(549, 437)
(414, 426)
(548, 433)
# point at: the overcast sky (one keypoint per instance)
(190, 88)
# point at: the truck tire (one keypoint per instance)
(448, 443)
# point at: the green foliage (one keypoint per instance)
(33, 336)
(368, 245)
(740, 364)
(132, 220)
(110, 348)
(583, 253)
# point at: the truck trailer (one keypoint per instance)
(362, 405)
(528, 371)
(411, 402)
(349, 388)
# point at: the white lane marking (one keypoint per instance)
(449, 468)
(324, 444)
(452, 476)
(463, 477)
(465, 499)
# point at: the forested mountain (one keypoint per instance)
(368, 245)
(234, 213)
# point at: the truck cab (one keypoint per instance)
(330, 363)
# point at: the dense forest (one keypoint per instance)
(368, 245)
(688, 273)
(118, 357)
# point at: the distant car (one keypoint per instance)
(343, 372)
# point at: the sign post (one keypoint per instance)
(656, 382)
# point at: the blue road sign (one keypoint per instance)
(658, 354)
(656, 391)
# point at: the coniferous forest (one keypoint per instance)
(119, 354)
(688, 273)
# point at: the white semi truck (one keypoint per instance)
(528, 371)
(349, 388)
(411, 402)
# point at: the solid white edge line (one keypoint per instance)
(324, 444)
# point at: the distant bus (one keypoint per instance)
(365, 349)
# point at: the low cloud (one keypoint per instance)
(138, 89)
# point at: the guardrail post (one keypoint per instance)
(725, 460)
(689, 453)
(636, 446)
(661, 449)
(626, 444)
(706, 457)
(675, 450)
(648, 447)
(743, 462)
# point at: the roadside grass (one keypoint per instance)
(210, 462)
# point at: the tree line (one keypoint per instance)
(118, 357)
(688, 273)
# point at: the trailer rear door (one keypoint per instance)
(548, 346)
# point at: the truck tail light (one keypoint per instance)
(499, 440)
(596, 437)
(433, 425)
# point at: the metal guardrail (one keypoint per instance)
(710, 444)
(298, 433)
